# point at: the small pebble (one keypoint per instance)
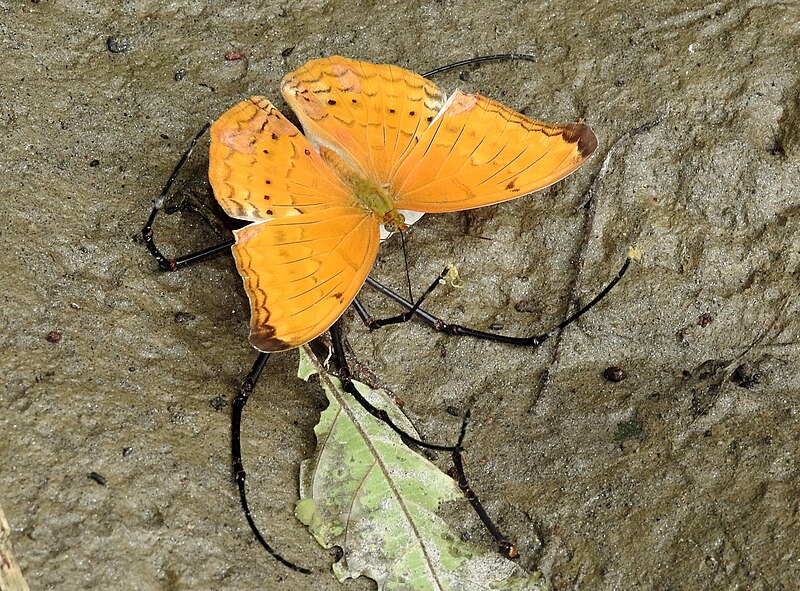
(117, 45)
(218, 403)
(614, 374)
(184, 317)
(98, 478)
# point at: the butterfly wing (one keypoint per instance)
(478, 152)
(261, 166)
(368, 113)
(301, 272)
(312, 245)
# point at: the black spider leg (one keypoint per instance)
(240, 475)
(440, 325)
(500, 57)
(413, 309)
(172, 264)
(340, 360)
(507, 548)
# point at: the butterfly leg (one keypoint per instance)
(236, 454)
(440, 325)
(506, 547)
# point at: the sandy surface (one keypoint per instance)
(683, 476)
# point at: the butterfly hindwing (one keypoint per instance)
(478, 152)
(368, 113)
(301, 272)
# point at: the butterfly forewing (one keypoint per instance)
(262, 167)
(478, 152)
(369, 113)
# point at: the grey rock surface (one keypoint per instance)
(682, 476)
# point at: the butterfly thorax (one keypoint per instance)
(372, 195)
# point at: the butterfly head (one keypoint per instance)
(394, 221)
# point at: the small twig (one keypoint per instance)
(11, 578)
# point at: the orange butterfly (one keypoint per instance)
(378, 139)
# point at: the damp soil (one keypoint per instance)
(117, 378)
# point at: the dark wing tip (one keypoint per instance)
(263, 339)
(581, 134)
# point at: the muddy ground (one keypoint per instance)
(682, 476)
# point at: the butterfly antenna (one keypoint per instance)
(500, 57)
